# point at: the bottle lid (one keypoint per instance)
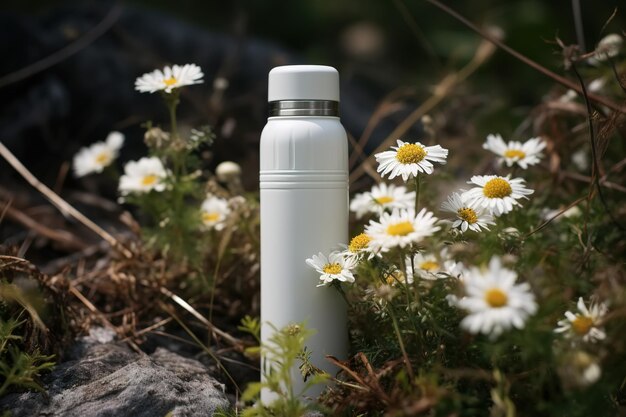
(303, 82)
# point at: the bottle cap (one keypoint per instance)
(303, 82)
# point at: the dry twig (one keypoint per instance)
(61, 236)
(59, 203)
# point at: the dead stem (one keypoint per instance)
(100, 29)
(59, 203)
(76, 293)
(595, 159)
(61, 236)
(167, 309)
(548, 221)
(236, 343)
(558, 78)
(441, 90)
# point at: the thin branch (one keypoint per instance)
(236, 343)
(602, 182)
(101, 316)
(64, 53)
(556, 77)
(548, 221)
(595, 171)
(61, 236)
(59, 203)
(441, 90)
(213, 356)
(419, 35)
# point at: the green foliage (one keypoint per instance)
(280, 355)
(408, 324)
(171, 223)
(18, 368)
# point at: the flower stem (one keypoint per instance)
(340, 290)
(417, 192)
(405, 283)
(172, 102)
(407, 362)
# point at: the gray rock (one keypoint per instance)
(108, 379)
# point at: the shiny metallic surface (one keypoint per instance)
(304, 108)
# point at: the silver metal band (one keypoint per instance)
(304, 108)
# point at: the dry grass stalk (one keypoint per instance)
(59, 203)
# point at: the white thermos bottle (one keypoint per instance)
(304, 208)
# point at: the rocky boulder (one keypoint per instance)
(105, 378)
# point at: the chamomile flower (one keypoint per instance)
(359, 248)
(169, 79)
(494, 301)
(585, 324)
(426, 265)
(400, 228)
(98, 156)
(432, 266)
(214, 211)
(409, 159)
(382, 197)
(468, 215)
(332, 267)
(495, 193)
(143, 176)
(514, 152)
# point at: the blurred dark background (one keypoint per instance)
(49, 112)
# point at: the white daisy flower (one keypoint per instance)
(98, 156)
(169, 79)
(359, 247)
(143, 176)
(468, 215)
(409, 159)
(495, 193)
(493, 300)
(331, 268)
(585, 324)
(382, 197)
(400, 229)
(214, 211)
(431, 266)
(514, 152)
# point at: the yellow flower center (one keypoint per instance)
(393, 277)
(359, 242)
(467, 214)
(210, 217)
(383, 200)
(103, 158)
(496, 298)
(410, 153)
(332, 269)
(514, 153)
(149, 180)
(429, 266)
(581, 325)
(497, 188)
(170, 81)
(400, 229)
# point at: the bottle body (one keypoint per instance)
(304, 210)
